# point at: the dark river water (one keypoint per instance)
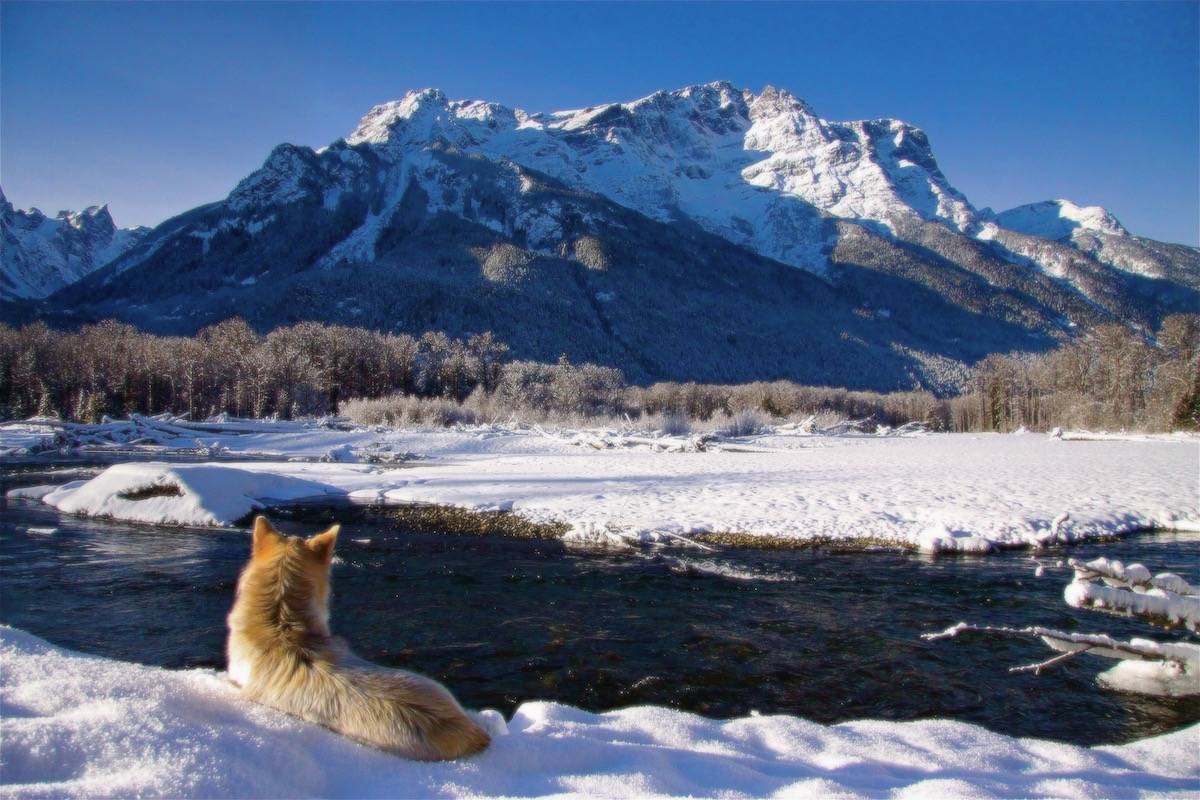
(827, 636)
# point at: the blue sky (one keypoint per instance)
(156, 108)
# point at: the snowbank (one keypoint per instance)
(83, 726)
(944, 492)
(209, 494)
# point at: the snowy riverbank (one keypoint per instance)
(938, 492)
(83, 726)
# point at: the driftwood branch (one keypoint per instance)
(1037, 668)
(1095, 643)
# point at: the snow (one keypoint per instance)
(1058, 219)
(42, 254)
(34, 492)
(1166, 600)
(312, 439)
(78, 726)
(938, 492)
(760, 170)
(1178, 663)
(22, 438)
(1158, 678)
(210, 494)
(1175, 609)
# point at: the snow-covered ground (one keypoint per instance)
(939, 492)
(77, 726)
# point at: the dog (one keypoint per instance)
(282, 654)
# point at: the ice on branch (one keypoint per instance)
(1166, 599)
(1146, 666)
(1185, 654)
(1134, 576)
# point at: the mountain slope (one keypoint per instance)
(42, 254)
(549, 269)
(1059, 219)
(706, 233)
(1094, 232)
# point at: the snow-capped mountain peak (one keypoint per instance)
(97, 218)
(781, 122)
(871, 169)
(42, 254)
(424, 115)
(1059, 219)
(761, 170)
(376, 126)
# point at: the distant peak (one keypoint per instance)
(713, 92)
(412, 100)
(1059, 219)
(774, 100)
(90, 218)
(376, 125)
(719, 87)
(426, 95)
(436, 110)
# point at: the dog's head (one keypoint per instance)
(268, 543)
(291, 567)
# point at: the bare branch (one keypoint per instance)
(1037, 668)
(1096, 643)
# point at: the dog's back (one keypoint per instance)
(282, 654)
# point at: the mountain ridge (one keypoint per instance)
(514, 204)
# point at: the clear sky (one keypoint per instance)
(156, 108)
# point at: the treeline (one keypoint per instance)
(1110, 378)
(299, 370)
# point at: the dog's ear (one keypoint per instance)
(322, 544)
(265, 536)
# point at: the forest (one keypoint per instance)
(1110, 378)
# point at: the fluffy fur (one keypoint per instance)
(282, 655)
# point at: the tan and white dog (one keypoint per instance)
(282, 655)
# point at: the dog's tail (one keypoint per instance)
(441, 724)
(458, 737)
(416, 717)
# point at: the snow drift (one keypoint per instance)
(209, 494)
(78, 726)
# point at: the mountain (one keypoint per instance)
(1059, 220)
(43, 254)
(708, 233)
(760, 171)
(1095, 232)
